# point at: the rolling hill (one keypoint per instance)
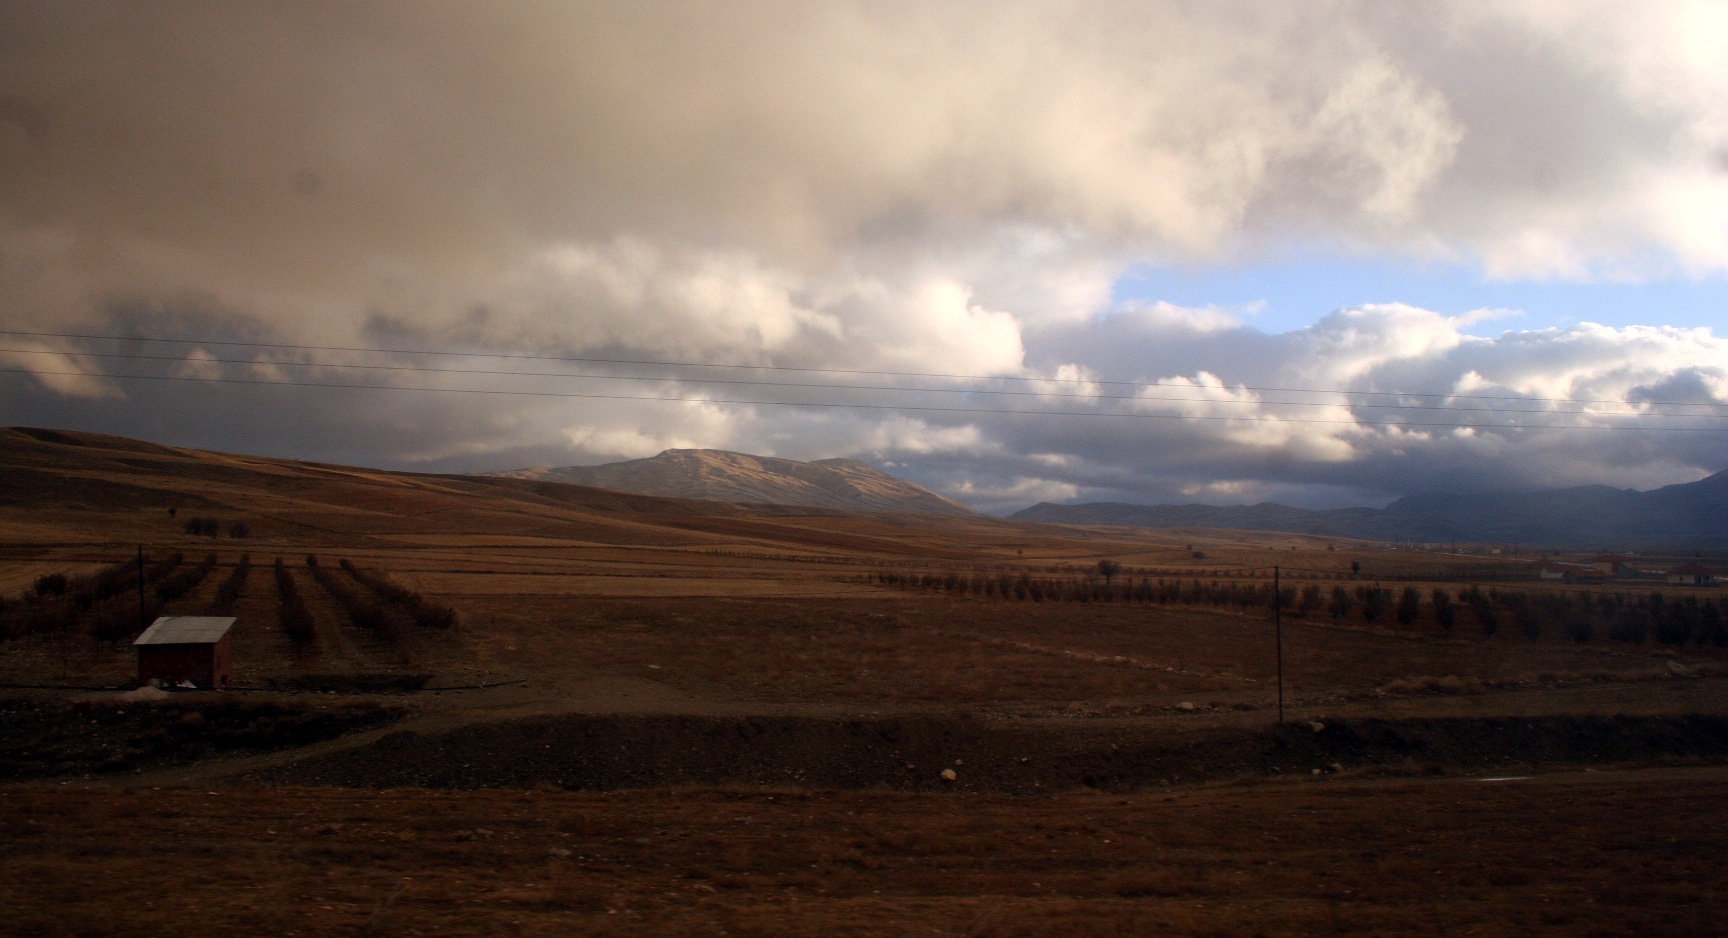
(718, 475)
(63, 488)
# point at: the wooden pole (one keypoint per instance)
(142, 625)
(1278, 630)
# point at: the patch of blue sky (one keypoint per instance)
(1288, 295)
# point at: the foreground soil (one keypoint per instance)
(1601, 853)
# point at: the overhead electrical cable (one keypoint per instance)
(513, 356)
(489, 372)
(917, 408)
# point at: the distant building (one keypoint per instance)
(1692, 574)
(176, 650)
(1613, 565)
(1567, 572)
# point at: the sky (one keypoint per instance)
(1324, 254)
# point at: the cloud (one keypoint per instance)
(58, 370)
(835, 191)
(312, 157)
(1365, 398)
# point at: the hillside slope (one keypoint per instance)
(68, 488)
(718, 475)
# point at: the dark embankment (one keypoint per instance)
(619, 752)
(51, 738)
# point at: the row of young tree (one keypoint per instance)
(424, 612)
(112, 604)
(234, 584)
(292, 615)
(377, 604)
(1633, 618)
(115, 603)
(1581, 616)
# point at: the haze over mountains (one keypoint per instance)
(718, 475)
(1693, 514)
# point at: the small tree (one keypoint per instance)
(1710, 625)
(1678, 621)
(1341, 603)
(50, 584)
(1629, 626)
(1373, 603)
(1108, 569)
(1445, 614)
(1409, 605)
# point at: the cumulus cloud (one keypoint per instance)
(1389, 399)
(859, 190)
(58, 370)
(312, 157)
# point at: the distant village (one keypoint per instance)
(1611, 567)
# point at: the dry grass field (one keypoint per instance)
(1599, 854)
(685, 634)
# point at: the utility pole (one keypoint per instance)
(1278, 630)
(142, 625)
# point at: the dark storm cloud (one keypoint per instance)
(943, 188)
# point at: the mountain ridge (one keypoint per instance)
(1689, 514)
(722, 475)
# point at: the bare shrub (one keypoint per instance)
(1341, 603)
(291, 612)
(363, 610)
(184, 580)
(1373, 602)
(434, 615)
(229, 592)
(1409, 605)
(50, 584)
(1445, 615)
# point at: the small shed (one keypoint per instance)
(181, 649)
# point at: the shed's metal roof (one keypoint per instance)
(186, 630)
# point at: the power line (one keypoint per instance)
(421, 369)
(917, 408)
(512, 356)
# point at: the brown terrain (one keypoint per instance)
(715, 474)
(661, 716)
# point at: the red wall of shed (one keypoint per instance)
(206, 665)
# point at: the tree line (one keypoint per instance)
(1581, 616)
